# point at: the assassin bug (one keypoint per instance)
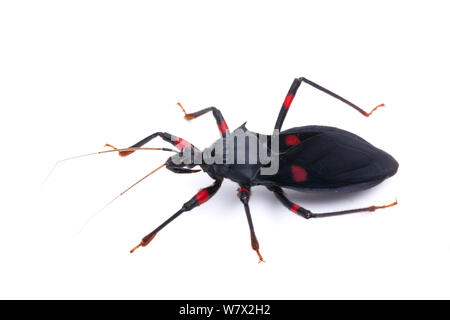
(311, 158)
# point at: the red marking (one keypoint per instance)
(223, 127)
(243, 189)
(181, 144)
(299, 174)
(202, 196)
(291, 140)
(294, 208)
(288, 100)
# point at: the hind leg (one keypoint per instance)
(308, 214)
(293, 90)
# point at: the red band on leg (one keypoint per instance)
(223, 127)
(181, 144)
(202, 196)
(243, 189)
(288, 101)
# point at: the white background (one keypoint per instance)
(75, 75)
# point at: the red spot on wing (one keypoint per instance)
(294, 208)
(223, 127)
(288, 100)
(291, 140)
(299, 174)
(202, 196)
(181, 144)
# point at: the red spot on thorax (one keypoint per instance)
(299, 174)
(288, 100)
(223, 127)
(202, 196)
(294, 208)
(181, 144)
(291, 140)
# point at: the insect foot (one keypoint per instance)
(145, 241)
(373, 208)
(123, 153)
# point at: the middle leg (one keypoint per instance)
(244, 196)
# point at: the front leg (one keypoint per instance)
(202, 196)
(177, 142)
(221, 123)
(244, 196)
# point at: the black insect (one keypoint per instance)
(311, 158)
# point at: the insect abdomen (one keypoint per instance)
(325, 158)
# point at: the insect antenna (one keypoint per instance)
(120, 194)
(124, 151)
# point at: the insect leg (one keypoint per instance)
(221, 123)
(244, 196)
(174, 140)
(308, 214)
(293, 90)
(202, 196)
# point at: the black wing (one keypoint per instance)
(318, 158)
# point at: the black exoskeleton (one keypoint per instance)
(310, 158)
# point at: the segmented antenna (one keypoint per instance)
(119, 195)
(124, 150)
